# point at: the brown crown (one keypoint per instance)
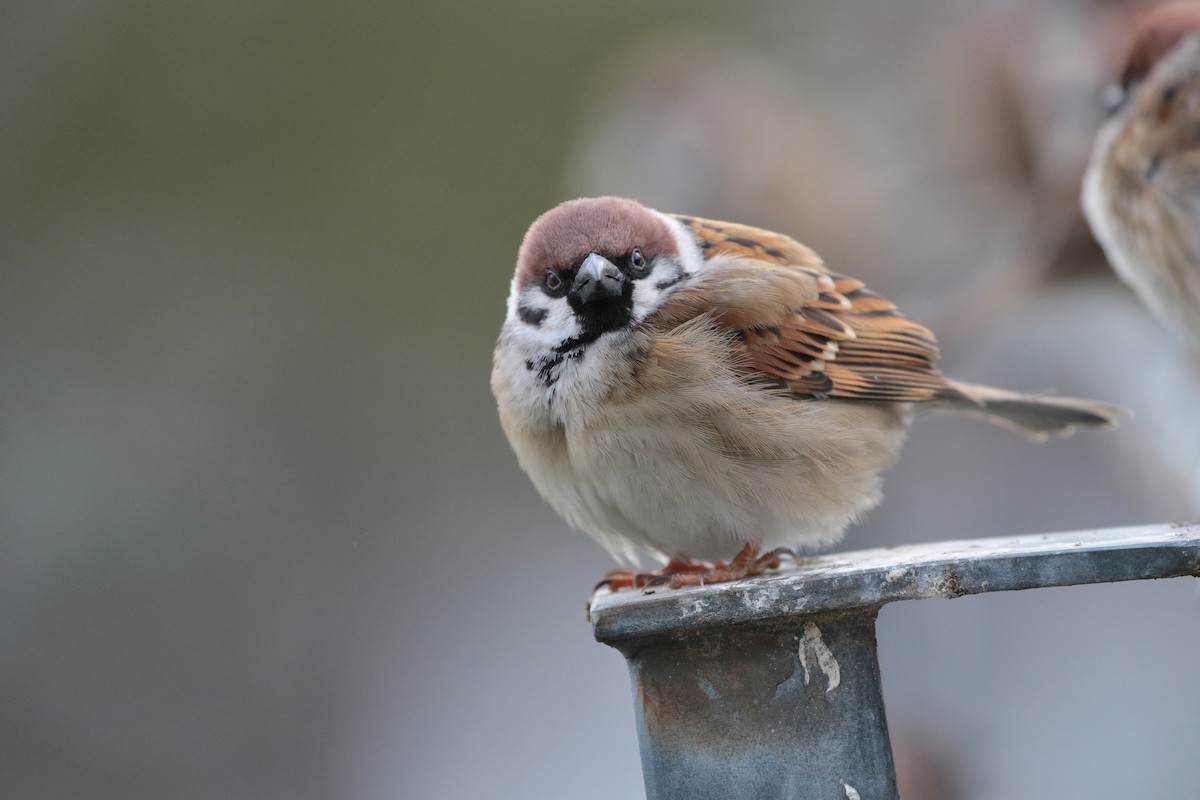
(610, 226)
(1156, 35)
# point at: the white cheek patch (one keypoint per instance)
(560, 323)
(691, 259)
(539, 319)
(652, 291)
(647, 296)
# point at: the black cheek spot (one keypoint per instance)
(668, 283)
(531, 316)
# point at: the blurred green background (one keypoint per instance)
(261, 534)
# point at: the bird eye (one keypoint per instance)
(639, 267)
(554, 282)
(1114, 97)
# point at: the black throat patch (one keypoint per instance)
(531, 316)
(603, 315)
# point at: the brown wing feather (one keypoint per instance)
(717, 238)
(817, 333)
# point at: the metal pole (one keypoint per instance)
(770, 687)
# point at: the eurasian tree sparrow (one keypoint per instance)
(691, 387)
(1141, 192)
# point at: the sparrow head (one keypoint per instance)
(1158, 99)
(595, 265)
(1156, 35)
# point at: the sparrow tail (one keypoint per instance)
(1034, 416)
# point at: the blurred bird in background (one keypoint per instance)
(1141, 196)
(1142, 188)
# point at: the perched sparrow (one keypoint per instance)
(1141, 193)
(691, 387)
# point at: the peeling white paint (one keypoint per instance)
(895, 574)
(812, 644)
(851, 792)
(761, 598)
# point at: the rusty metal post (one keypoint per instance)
(770, 687)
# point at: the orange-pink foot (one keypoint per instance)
(746, 564)
(680, 572)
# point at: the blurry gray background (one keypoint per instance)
(260, 533)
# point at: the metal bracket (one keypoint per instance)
(770, 687)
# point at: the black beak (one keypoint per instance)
(597, 279)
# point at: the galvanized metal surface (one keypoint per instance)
(770, 687)
(759, 713)
(871, 578)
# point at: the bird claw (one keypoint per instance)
(678, 573)
(746, 564)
